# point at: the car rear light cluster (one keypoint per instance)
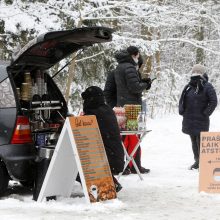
(22, 133)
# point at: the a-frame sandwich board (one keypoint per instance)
(80, 150)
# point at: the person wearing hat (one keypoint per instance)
(197, 102)
(94, 104)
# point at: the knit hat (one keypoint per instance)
(198, 69)
(132, 50)
(92, 91)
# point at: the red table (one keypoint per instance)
(140, 135)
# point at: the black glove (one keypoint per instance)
(148, 81)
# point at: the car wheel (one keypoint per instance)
(4, 178)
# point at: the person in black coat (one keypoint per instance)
(94, 104)
(110, 90)
(196, 104)
(129, 84)
(125, 86)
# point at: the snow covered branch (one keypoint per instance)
(86, 58)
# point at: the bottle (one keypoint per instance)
(35, 91)
(46, 100)
(36, 101)
(141, 121)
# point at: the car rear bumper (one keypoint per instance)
(19, 160)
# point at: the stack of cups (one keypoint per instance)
(24, 91)
(27, 80)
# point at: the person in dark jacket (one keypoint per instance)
(125, 86)
(128, 81)
(94, 104)
(110, 90)
(196, 104)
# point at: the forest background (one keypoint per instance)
(172, 35)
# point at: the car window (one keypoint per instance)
(3, 72)
(7, 99)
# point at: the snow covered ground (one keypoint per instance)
(169, 191)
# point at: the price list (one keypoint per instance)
(90, 149)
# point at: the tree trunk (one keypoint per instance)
(71, 73)
(72, 68)
(200, 56)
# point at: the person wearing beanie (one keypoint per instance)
(94, 104)
(198, 69)
(197, 102)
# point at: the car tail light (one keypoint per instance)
(22, 133)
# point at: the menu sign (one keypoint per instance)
(209, 167)
(93, 159)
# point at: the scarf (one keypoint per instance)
(197, 82)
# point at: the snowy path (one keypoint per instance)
(170, 191)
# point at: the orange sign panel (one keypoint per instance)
(93, 159)
(209, 167)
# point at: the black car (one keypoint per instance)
(32, 108)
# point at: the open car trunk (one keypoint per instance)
(38, 97)
(33, 109)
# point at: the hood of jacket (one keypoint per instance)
(93, 103)
(93, 97)
(124, 57)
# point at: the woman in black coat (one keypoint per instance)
(197, 103)
(94, 104)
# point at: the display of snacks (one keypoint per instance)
(132, 111)
(127, 117)
(121, 118)
(132, 125)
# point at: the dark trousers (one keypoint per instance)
(195, 146)
(137, 158)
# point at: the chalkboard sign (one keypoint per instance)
(93, 159)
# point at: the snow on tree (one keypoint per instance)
(172, 37)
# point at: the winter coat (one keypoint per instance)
(110, 90)
(109, 131)
(128, 82)
(196, 106)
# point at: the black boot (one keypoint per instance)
(127, 171)
(196, 149)
(118, 186)
(141, 169)
(194, 166)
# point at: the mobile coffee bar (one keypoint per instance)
(33, 110)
